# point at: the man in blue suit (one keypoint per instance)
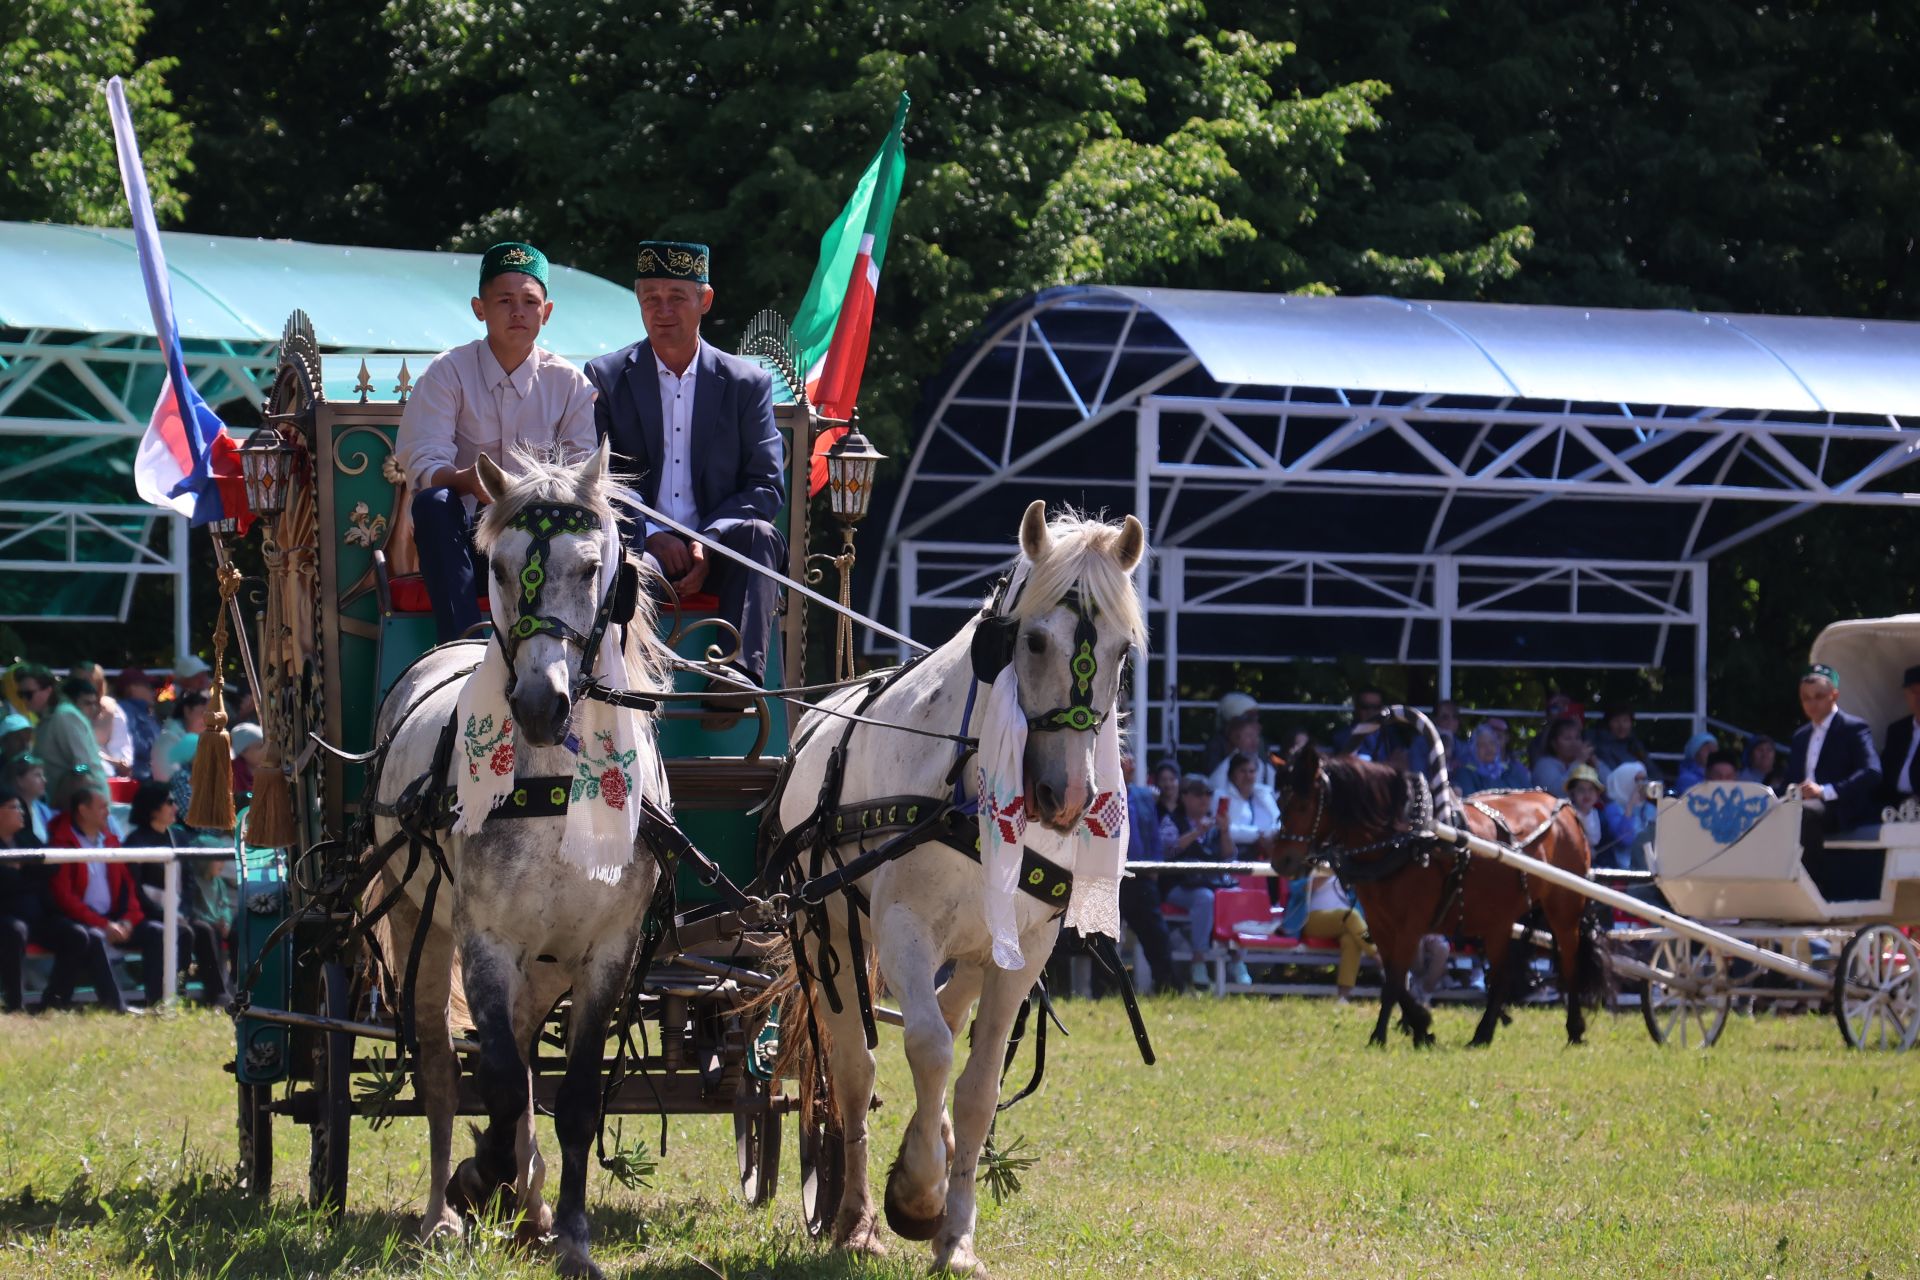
(695, 425)
(1837, 773)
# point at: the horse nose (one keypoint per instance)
(543, 716)
(1046, 801)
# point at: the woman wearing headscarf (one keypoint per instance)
(1764, 763)
(1627, 813)
(1490, 768)
(1693, 760)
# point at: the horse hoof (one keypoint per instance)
(579, 1264)
(862, 1238)
(907, 1225)
(535, 1228)
(445, 1227)
(959, 1260)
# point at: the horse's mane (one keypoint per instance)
(1361, 793)
(541, 475)
(1084, 557)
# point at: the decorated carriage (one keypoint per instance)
(337, 617)
(1840, 929)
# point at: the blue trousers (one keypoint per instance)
(449, 565)
(747, 599)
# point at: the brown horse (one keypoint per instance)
(1361, 817)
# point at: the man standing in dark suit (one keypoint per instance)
(1837, 773)
(1902, 756)
(696, 426)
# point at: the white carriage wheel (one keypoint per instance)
(1693, 1010)
(1877, 989)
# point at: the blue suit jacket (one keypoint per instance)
(738, 462)
(1848, 763)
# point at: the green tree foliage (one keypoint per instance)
(1061, 141)
(55, 58)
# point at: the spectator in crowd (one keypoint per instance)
(1584, 792)
(110, 726)
(20, 904)
(25, 778)
(1247, 812)
(1764, 763)
(1490, 769)
(1565, 748)
(1243, 736)
(1614, 743)
(153, 825)
(1446, 719)
(1206, 840)
(1232, 708)
(16, 736)
(179, 738)
(1559, 706)
(1693, 760)
(1627, 814)
(1369, 736)
(250, 748)
(30, 689)
(191, 675)
(1901, 759)
(136, 698)
(1723, 766)
(103, 899)
(1150, 832)
(65, 742)
(1319, 906)
(1837, 772)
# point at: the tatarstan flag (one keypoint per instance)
(836, 316)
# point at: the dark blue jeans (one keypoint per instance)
(449, 564)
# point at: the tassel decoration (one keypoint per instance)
(270, 821)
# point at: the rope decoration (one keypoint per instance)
(211, 806)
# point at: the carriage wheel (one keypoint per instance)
(333, 1116)
(823, 1166)
(1877, 989)
(1691, 1010)
(256, 1139)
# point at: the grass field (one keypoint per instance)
(1267, 1142)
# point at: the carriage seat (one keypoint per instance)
(405, 593)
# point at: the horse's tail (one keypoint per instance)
(1593, 964)
(805, 1039)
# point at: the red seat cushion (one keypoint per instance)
(698, 602)
(408, 594)
(1320, 944)
(1265, 942)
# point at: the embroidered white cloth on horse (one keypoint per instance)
(1096, 850)
(603, 813)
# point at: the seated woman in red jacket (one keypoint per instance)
(103, 898)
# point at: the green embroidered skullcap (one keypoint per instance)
(512, 255)
(671, 260)
(1821, 671)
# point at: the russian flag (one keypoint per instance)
(187, 462)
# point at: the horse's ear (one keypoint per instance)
(593, 475)
(1034, 538)
(1132, 544)
(1306, 763)
(493, 481)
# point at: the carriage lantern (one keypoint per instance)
(851, 464)
(267, 461)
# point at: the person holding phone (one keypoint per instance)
(1203, 839)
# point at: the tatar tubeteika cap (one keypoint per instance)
(671, 260)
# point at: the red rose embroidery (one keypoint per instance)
(502, 761)
(613, 787)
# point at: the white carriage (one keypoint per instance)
(1729, 853)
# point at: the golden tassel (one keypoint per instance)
(211, 806)
(270, 821)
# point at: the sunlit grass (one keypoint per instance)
(1268, 1142)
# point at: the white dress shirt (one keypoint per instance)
(1249, 817)
(1814, 743)
(464, 404)
(676, 440)
(1903, 781)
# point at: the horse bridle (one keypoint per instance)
(543, 522)
(1420, 813)
(1322, 797)
(993, 644)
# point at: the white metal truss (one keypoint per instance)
(74, 395)
(1082, 395)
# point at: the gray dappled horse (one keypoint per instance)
(927, 906)
(520, 921)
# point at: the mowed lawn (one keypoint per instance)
(1267, 1142)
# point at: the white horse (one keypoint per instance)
(520, 919)
(927, 906)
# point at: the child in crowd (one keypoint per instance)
(1584, 791)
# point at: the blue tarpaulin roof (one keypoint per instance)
(86, 279)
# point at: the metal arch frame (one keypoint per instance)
(1200, 459)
